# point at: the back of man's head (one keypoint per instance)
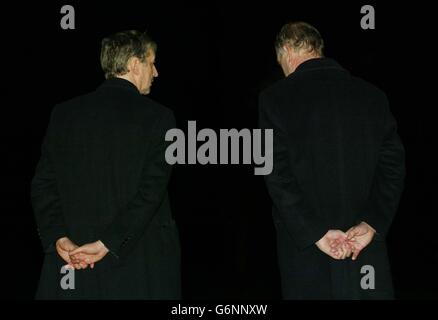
(300, 36)
(118, 48)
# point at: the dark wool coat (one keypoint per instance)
(103, 176)
(338, 160)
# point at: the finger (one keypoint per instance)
(76, 251)
(75, 260)
(341, 236)
(355, 254)
(334, 243)
(347, 250)
(339, 242)
(80, 260)
(343, 252)
(351, 233)
(339, 249)
(335, 256)
(334, 246)
(77, 256)
(92, 266)
(358, 246)
(349, 244)
(354, 247)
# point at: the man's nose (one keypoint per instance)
(155, 72)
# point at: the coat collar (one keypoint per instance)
(318, 64)
(119, 83)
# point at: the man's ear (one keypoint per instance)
(290, 52)
(133, 64)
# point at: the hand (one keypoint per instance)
(89, 253)
(334, 236)
(64, 246)
(343, 247)
(360, 236)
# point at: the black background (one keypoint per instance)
(213, 60)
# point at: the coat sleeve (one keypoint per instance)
(290, 201)
(125, 230)
(388, 181)
(45, 197)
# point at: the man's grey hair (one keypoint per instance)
(118, 48)
(300, 36)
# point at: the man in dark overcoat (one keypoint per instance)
(100, 188)
(338, 175)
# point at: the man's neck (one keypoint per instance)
(304, 58)
(128, 78)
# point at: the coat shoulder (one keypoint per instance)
(292, 84)
(158, 108)
(164, 115)
(138, 106)
(275, 88)
(73, 102)
(368, 88)
(66, 109)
